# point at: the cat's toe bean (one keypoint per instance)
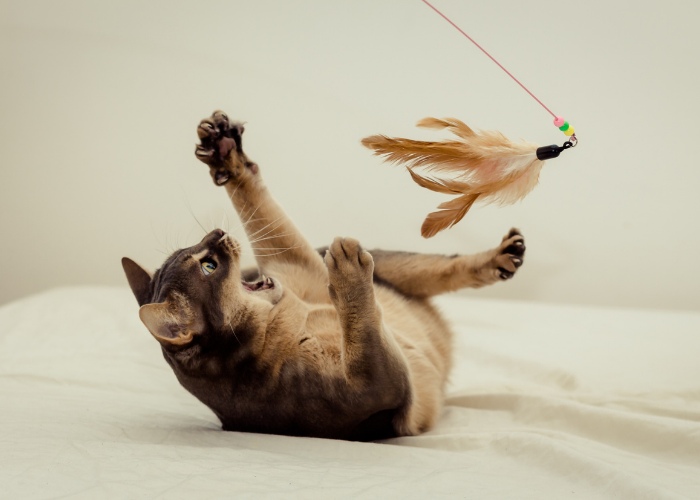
(220, 118)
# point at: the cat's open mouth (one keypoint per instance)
(265, 288)
(263, 284)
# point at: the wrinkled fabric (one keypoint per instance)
(544, 402)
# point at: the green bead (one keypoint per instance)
(564, 127)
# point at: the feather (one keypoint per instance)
(483, 165)
(450, 213)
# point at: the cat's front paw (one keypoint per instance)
(510, 254)
(350, 269)
(221, 149)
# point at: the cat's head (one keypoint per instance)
(198, 292)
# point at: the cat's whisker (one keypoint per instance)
(233, 193)
(257, 240)
(189, 209)
(223, 218)
(168, 244)
(223, 223)
(177, 242)
(251, 221)
(249, 217)
(234, 333)
(278, 251)
(266, 237)
(265, 247)
(245, 219)
(171, 242)
(247, 212)
(274, 221)
(270, 252)
(159, 242)
(211, 221)
(199, 223)
(279, 221)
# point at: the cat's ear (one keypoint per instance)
(168, 324)
(139, 280)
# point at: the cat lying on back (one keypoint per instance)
(341, 343)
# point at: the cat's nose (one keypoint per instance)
(214, 236)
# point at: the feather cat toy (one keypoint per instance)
(477, 165)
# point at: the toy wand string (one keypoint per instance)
(477, 165)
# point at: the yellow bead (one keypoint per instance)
(569, 131)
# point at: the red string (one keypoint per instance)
(489, 55)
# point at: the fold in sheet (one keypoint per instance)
(544, 402)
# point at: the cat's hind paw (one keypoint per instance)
(511, 254)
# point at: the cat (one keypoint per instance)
(334, 343)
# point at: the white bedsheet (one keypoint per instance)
(545, 402)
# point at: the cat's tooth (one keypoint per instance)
(263, 278)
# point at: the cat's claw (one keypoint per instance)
(221, 178)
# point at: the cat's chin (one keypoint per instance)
(267, 288)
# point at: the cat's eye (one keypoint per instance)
(208, 266)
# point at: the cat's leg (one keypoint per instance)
(273, 236)
(375, 368)
(423, 275)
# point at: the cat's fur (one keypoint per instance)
(338, 344)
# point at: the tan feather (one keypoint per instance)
(482, 165)
(450, 213)
(444, 186)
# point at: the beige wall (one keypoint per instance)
(100, 101)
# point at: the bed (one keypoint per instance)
(544, 402)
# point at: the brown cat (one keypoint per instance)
(341, 343)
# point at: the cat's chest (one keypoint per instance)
(309, 285)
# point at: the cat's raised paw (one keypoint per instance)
(221, 148)
(349, 265)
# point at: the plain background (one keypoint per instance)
(100, 101)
